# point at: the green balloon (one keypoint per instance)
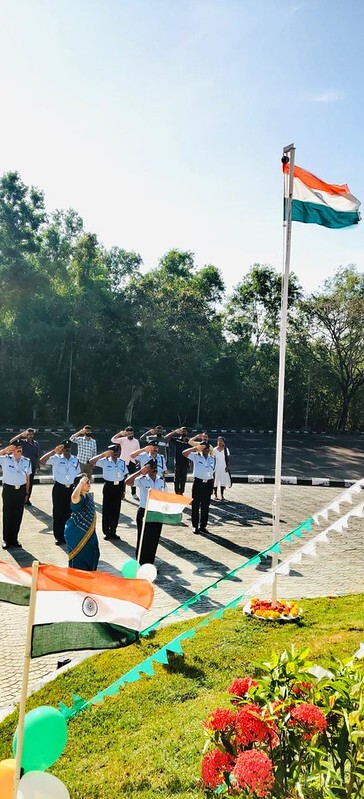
(129, 569)
(45, 736)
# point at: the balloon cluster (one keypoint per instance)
(44, 739)
(131, 570)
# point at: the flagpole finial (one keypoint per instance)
(285, 159)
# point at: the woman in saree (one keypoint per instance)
(79, 532)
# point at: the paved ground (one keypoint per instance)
(239, 528)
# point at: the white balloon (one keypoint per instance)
(147, 572)
(40, 785)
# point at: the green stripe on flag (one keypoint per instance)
(16, 594)
(64, 636)
(164, 518)
(317, 214)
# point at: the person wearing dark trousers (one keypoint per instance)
(16, 477)
(31, 451)
(114, 471)
(203, 483)
(128, 443)
(145, 478)
(179, 438)
(65, 467)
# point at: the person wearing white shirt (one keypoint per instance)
(145, 479)
(203, 483)
(114, 471)
(65, 467)
(16, 481)
(127, 443)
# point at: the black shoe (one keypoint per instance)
(17, 545)
(27, 503)
(6, 546)
(111, 537)
(196, 532)
(203, 530)
(59, 542)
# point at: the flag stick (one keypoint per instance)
(289, 150)
(24, 687)
(143, 528)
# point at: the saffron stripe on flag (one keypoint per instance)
(313, 182)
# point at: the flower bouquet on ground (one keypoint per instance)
(280, 610)
(289, 736)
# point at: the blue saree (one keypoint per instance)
(80, 535)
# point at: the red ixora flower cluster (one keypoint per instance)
(251, 727)
(221, 719)
(310, 717)
(240, 686)
(214, 764)
(254, 771)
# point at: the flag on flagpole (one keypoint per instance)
(166, 508)
(320, 203)
(77, 609)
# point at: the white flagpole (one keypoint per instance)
(24, 687)
(143, 527)
(288, 153)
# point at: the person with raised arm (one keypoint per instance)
(86, 448)
(80, 530)
(144, 454)
(16, 479)
(203, 483)
(179, 438)
(31, 451)
(114, 471)
(127, 443)
(65, 468)
(147, 477)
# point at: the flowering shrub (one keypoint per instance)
(289, 736)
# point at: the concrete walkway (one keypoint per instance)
(239, 528)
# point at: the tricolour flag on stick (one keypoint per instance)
(320, 203)
(166, 508)
(77, 609)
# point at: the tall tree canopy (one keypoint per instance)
(144, 344)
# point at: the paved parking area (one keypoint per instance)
(239, 528)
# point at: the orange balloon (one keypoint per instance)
(7, 776)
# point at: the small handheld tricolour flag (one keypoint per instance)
(76, 609)
(165, 508)
(320, 203)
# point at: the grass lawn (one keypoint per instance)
(147, 741)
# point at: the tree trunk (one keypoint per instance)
(135, 394)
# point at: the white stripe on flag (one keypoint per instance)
(71, 606)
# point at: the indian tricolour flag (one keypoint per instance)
(318, 202)
(77, 609)
(165, 508)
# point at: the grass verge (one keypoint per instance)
(146, 742)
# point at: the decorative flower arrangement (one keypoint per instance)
(281, 610)
(288, 736)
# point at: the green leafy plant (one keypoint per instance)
(296, 732)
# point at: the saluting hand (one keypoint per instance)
(8, 450)
(148, 448)
(58, 449)
(144, 469)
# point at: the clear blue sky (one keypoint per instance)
(162, 121)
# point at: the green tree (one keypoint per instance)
(335, 318)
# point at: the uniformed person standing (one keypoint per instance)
(150, 452)
(145, 479)
(16, 480)
(114, 471)
(65, 467)
(203, 483)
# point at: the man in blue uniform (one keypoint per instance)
(16, 476)
(145, 479)
(203, 483)
(65, 467)
(114, 471)
(31, 451)
(150, 452)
